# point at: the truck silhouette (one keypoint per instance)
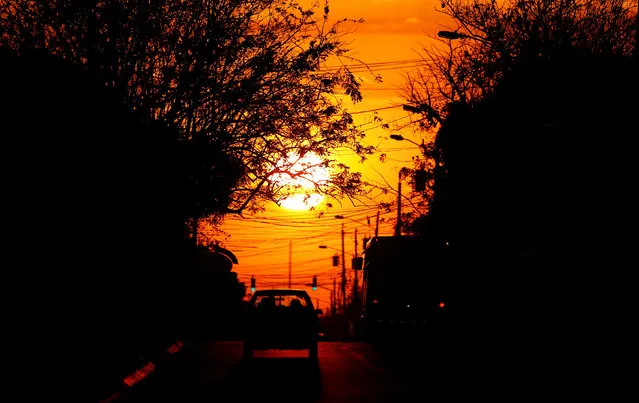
(406, 288)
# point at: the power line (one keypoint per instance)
(378, 109)
(385, 65)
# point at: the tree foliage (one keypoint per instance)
(94, 224)
(536, 106)
(492, 35)
(245, 82)
(542, 61)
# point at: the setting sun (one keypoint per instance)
(302, 202)
(303, 176)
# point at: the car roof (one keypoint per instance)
(281, 291)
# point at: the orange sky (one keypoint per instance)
(266, 245)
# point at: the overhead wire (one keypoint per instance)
(281, 229)
(376, 66)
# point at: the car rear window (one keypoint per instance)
(265, 301)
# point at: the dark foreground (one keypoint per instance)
(356, 371)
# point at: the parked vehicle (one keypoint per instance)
(406, 287)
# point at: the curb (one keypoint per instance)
(141, 373)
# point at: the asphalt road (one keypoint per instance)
(346, 372)
(357, 372)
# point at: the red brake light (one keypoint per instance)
(441, 304)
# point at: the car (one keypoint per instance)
(281, 319)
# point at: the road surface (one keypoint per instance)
(215, 372)
(354, 372)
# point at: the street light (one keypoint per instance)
(343, 283)
(368, 221)
(322, 246)
(399, 137)
(343, 217)
(356, 264)
(420, 174)
(452, 35)
(431, 114)
(356, 261)
(334, 298)
(420, 180)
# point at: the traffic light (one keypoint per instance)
(252, 283)
(420, 180)
(314, 283)
(335, 260)
(357, 263)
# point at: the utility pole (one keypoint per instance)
(290, 263)
(332, 306)
(355, 282)
(334, 296)
(355, 242)
(343, 285)
(377, 223)
(398, 226)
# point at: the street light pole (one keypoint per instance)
(355, 282)
(343, 274)
(335, 300)
(355, 291)
(290, 263)
(398, 225)
(419, 185)
(399, 137)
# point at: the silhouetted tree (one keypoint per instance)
(490, 35)
(491, 40)
(536, 168)
(94, 223)
(242, 79)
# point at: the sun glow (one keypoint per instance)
(300, 202)
(303, 175)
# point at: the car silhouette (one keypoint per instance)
(281, 319)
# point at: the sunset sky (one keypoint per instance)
(265, 245)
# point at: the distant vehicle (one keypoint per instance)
(282, 319)
(406, 287)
